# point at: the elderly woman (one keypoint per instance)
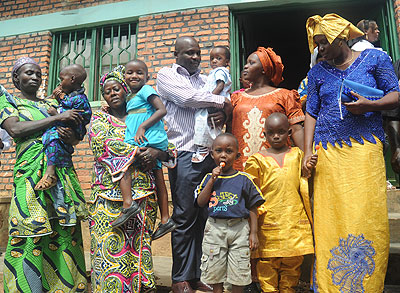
(251, 107)
(44, 251)
(121, 257)
(350, 214)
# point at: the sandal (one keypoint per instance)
(390, 186)
(126, 214)
(163, 229)
(200, 154)
(47, 182)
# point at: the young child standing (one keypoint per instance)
(284, 223)
(70, 95)
(145, 128)
(219, 83)
(232, 198)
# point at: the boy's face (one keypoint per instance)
(218, 58)
(67, 81)
(136, 75)
(277, 132)
(225, 149)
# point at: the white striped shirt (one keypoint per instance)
(182, 96)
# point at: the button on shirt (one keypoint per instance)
(182, 96)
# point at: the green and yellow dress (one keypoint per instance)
(44, 251)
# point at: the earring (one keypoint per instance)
(340, 43)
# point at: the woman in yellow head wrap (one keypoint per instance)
(350, 215)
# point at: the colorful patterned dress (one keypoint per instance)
(44, 251)
(350, 214)
(250, 112)
(121, 257)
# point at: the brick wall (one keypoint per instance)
(156, 36)
(157, 33)
(36, 46)
(23, 8)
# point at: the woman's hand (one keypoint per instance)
(361, 106)
(67, 135)
(139, 137)
(70, 116)
(148, 157)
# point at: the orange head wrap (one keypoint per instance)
(271, 63)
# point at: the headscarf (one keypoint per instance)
(18, 64)
(116, 74)
(271, 63)
(332, 26)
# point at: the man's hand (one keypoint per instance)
(217, 119)
(395, 161)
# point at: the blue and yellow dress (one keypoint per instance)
(350, 214)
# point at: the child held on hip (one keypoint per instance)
(70, 95)
(145, 128)
(219, 83)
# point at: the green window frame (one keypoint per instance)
(98, 50)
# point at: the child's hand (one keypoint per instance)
(216, 172)
(52, 111)
(139, 137)
(58, 93)
(253, 239)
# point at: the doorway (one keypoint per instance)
(283, 29)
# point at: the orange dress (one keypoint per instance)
(250, 112)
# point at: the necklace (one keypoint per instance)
(344, 63)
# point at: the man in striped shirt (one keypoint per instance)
(179, 87)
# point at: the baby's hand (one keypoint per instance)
(139, 137)
(253, 239)
(216, 172)
(58, 93)
(52, 111)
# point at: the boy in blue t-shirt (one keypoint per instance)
(232, 198)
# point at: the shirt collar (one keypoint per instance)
(183, 71)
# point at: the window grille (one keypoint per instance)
(98, 50)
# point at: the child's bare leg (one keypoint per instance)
(237, 289)
(130, 208)
(219, 288)
(125, 184)
(162, 195)
(51, 170)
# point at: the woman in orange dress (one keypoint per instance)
(251, 107)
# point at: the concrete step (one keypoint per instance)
(394, 248)
(393, 201)
(394, 227)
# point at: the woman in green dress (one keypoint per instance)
(44, 251)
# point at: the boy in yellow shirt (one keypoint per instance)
(284, 222)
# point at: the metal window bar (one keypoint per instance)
(98, 50)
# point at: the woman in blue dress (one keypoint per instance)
(350, 214)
